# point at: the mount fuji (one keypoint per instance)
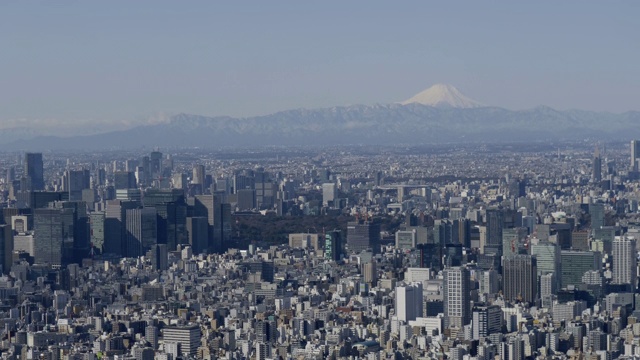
(443, 95)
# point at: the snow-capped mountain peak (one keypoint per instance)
(443, 95)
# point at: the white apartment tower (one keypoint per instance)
(624, 261)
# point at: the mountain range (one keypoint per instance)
(437, 115)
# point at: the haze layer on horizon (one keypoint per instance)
(126, 60)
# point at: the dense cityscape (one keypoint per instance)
(474, 251)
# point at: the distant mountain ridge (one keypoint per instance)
(413, 123)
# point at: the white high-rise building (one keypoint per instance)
(457, 305)
(409, 301)
(547, 289)
(624, 261)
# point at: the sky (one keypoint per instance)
(130, 61)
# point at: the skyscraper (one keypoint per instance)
(596, 211)
(115, 225)
(124, 180)
(75, 181)
(198, 229)
(333, 245)
(159, 256)
(548, 260)
(520, 280)
(49, 236)
(597, 167)
(141, 229)
(218, 214)
(635, 154)
(576, 263)
(155, 164)
(172, 215)
(96, 222)
(457, 306)
(34, 171)
(624, 261)
(511, 240)
(409, 301)
(197, 177)
(495, 222)
(329, 193)
(6, 248)
(363, 235)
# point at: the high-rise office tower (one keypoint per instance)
(495, 223)
(76, 218)
(548, 260)
(218, 214)
(243, 181)
(172, 215)
(155, 164)
(115, 225)
(443, 232)
(141, 229)
(49, 236)
(635, 154)
(363, 235)
(596, 211)
(409, 300)
(519, 277)
(96, 223)
(75, 181)
(145, 162)
(6, 248)
(198, 229)
(596, 175)
(34, 171)
(624, 261)
(198, 175)
(457, 305)
(124, 180)
(576, 263)
(462, 232)
(333, 245)
(512, 240)
(159, 257)
(329, 193)
(11, 175)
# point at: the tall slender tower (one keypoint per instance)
(597, 166)
(34, 171)
(635, 154)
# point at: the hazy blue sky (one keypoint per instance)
(117, 60)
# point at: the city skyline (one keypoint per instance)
(334, 180)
